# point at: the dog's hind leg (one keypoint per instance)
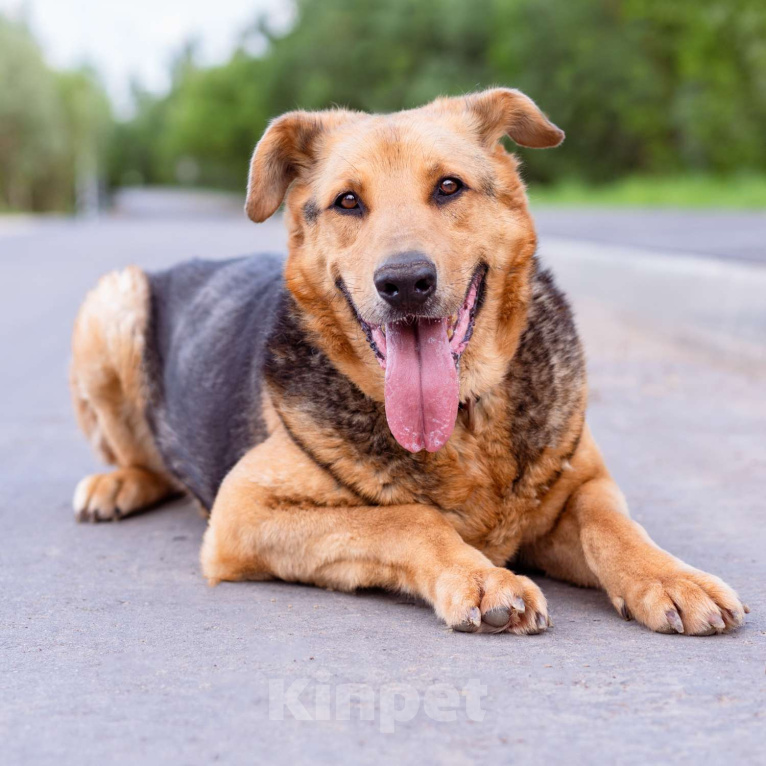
(109, 394)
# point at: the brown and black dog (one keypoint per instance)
(400, 404)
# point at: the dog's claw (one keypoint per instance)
(622, 608)
(471, 623)
(674, 621)
(497, 617)
(542, 621)
(716, 622)
(519, 605)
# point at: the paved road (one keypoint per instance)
(723, 234)
(112, 649)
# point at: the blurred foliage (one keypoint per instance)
(54, 126)
(640, 86)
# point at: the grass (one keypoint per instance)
(697, 191)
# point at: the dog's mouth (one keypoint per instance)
(421, 357)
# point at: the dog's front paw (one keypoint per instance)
(490, 600)
(675, 598)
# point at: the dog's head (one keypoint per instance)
(410, 245)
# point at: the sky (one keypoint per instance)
(127, 39)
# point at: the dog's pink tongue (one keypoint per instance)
(422, 388)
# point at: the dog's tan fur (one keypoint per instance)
(109, 396)
(282, 514)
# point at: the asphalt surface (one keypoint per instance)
(720, 233)
(113, 649)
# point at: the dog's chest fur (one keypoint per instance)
(491, 477)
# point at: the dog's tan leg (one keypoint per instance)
(108, 395)
(261, 527)
(595, 543)
(110, 496)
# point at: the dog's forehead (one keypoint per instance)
(415, 141)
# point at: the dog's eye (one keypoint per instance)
(347, 201)
(448, 186)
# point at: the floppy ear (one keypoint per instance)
(508, 112)
(287, 149)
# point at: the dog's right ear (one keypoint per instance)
(287, 149)
(508, 112)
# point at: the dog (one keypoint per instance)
(398, 404)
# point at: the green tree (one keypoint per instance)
(51, 124)
(640, 86)
(30, 115)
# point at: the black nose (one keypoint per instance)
(406, 280)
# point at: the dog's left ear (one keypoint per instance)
(287, 149)
(508, 112)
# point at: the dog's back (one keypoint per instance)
(208, 326)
